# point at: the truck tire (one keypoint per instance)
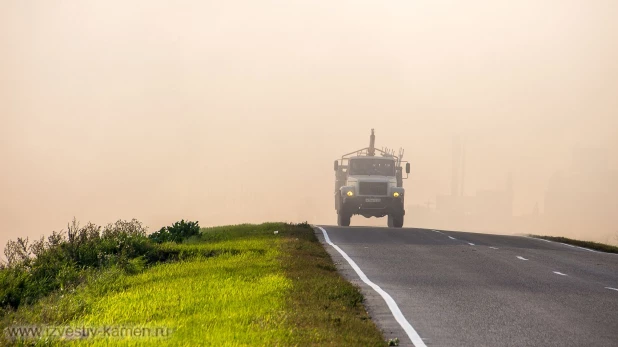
(343, 219)
(389, 223)
(397, 220)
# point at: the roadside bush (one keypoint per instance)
(178, 232)
(35, 269)
(12, 283)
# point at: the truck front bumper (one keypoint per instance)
(373, 206)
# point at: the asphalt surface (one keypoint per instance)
(468, 289)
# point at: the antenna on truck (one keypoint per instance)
(372, 142)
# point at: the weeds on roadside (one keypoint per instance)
(393, 342)
(34, 269)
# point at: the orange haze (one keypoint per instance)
(233, 111)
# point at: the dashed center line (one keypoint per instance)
(559, 273)
(471, 244)
(493, 247)
(610, 288)
(521, 258)
(452, 238)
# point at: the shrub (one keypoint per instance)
(36, 269)
(12, 284)
(178, 232)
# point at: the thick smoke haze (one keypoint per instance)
(233, 111)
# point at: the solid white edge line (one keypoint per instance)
(392, 305)
(566, 244)
(610, 288)
(586, 249)
(560, 273)
(521, 258)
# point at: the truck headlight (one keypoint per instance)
(396, 194)
(350, 193)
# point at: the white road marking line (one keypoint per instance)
(439, 232)
(521, 258)
(588, 249)
(566, 244)
(407, 327)
(471, 244)
(493, 247)
(610, 288)
(559, 273)
(572, 246)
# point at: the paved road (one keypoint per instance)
(467, 289)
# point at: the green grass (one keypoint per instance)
(586, 244)
(235, 286)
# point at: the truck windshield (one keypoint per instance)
(381, 167)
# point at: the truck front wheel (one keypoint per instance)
(343, 219)
(395, 221)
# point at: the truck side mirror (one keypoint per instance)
(336, 165)
(408, 168)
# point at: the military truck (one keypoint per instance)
(370, 185)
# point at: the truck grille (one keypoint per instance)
(373, 188)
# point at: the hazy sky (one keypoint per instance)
(233, 111)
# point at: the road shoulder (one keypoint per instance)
(376, 307)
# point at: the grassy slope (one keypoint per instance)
(586, 244)
(261, 289)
